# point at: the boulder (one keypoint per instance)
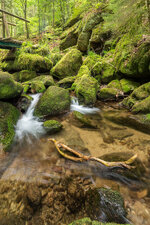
(9, 116)
(54, 101)
(66, 82)
(91, 60)
(24, 75)
(68, 65)
(47, 80)
(34, 62)
(8, 87)
(128, 85)
(52, 126)
(24, 102)
(107, 94)
(138, 100)
(86, 89)
(37, 87)
(83, 41)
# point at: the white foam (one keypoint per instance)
(82, 109)
(29, 125)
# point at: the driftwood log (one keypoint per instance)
(65, 151)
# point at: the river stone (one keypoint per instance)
(68, 65)
(8, 87)
(52, 126)
(54, 101)
(105, 205)
(8, 119)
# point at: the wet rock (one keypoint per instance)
(105, 205)
(34, 195)
(54, 101)
(8, 87)
(68, 65)
(52, 126)
(24, 102)
(9, 116)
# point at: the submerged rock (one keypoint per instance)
(8, 87)
(9, 116)
(54, 101)
(68, 65)
(52, 126)
(105, 205)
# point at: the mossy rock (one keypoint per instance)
(8, 87)
(83, 41)
(86, 89)
(24, 75)
(108, 72)
(55, 57)
(66, 82)
(68, 65)
(128, 86)
(108, 94)
(37, 87)
(52, 126)
(138, 100)
(54, 101)
(115, 84)
(100, 203)
(91, 60)
(9, 116)
(34, 62)
(24, 102)
(10, 66)
(69, 41)
(97, 69)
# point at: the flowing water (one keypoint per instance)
(36, 165)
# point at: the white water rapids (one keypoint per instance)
(29, 125)
(82, 109)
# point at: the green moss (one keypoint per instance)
(97, 69)
(66, 82)
(86, 89)
(128, 86)
(26, 75)
(47, 80)
(34, 62)
(115, 84)
(54, 101)
(52, 126)
(107, 94)
(8, 87)
(91, 60)
(10, 66)
(142, 106)
(8, 119)
(37, 87)
(68, 65)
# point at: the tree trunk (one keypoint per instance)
(25, 15)
(53, 14)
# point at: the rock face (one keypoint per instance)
(105, 203)
(68, 65)
(8, 87)
(54, 101)
(86, 89)
(52, 126)
(8, 119)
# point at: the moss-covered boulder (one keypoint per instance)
(66, 82)
(10, 66)
(8, 87)
(47, 80)
(24, 102)
(132, 56)
(128, 85)
(138, 100)
(34, 62)
(24, 75)
(68, 65)
(83, 41)
(9, 116)
(54, 101)
(108, 94)
(101, 203)
(37, 87)
(52, 126)
(115, 84)
(88, 221)
(86, 89)
(91, 60)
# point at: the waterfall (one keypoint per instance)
(82, 109)
(29, 125)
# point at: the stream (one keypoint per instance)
(34, 164)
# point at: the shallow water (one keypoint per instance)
(40, 163)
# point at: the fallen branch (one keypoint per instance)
(79, 157)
